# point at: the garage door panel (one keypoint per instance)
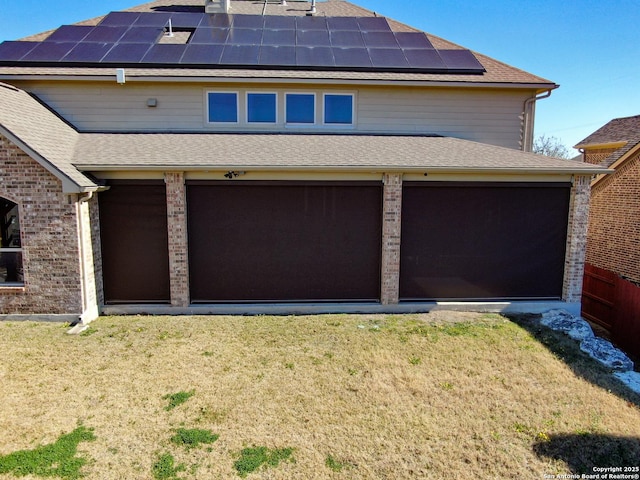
(134, 239)
(489, 241)
(255, 242)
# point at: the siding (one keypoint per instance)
(483, 115)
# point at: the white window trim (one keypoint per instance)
(246, 107)
(315, 110)
(206, 96)
(353, 110)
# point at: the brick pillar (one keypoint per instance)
(391, 224)
(178, 249)
(576, 238)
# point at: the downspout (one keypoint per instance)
(83, 270)
(528, 114)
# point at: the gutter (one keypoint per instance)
(528, 118)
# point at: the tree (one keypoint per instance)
(550, 147)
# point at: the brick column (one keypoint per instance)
(576, 238)
(391, 224)
(178, 249)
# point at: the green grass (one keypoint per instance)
(251, 459)
(166, 469)
(192, 438)
(178, 398)
(54, 460)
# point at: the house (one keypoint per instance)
(611, 295)
(190, 156)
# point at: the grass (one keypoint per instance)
(252, 458)
(356, 396)
(54, 460)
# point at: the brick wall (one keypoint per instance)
(576, 239)
(595, 156)
(614, 225)
(49, 237)
(391, 227)
(178, 247)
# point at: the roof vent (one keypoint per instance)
(216, 6)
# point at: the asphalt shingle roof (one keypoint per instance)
(624, 129)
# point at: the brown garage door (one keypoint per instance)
(253, 241)
(133, 233)
(483, 241)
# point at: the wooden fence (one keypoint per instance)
(613, 303)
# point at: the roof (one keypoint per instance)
(42, 135)
(620, 133)
(315, 152)
(496, 72)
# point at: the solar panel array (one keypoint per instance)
(224, 40)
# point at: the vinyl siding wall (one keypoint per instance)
(490, 116)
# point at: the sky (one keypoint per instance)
(590, 48)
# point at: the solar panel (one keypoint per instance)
(424, 59)
(313, 38)
(314, 57)
(461, 60)
(88, 52)
(142, 35)
(373, 24)
(115, 19)
(344, 38)
(49, 51)
(248, 21)
(243, 40)
(11, 51)
(380, 39)
(202, 54)
(126, 53)
(276, 22)
(277, 55)
(343, 23)
(164, 53)
(240, 55)
(103, 34)
(413, 40)
(210, 35)
(279, 37)
(352, 57)
(69, 33)
(244, 36)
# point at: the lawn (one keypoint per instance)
(439, 395)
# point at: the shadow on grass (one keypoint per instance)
(568, 350)
(583, 452)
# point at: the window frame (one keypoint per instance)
(222, 122)
(275, 107)
(324, 110)
(314, 95)
(15, 250)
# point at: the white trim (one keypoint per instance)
(207, 112)
(246, 107)
(10, 249)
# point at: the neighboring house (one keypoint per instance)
(168, 159)
(611, 294)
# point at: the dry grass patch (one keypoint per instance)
(352, 396)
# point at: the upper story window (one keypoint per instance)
(223, 107)
(261, 107)
(11, 272)
(338, 109)
(300, 108)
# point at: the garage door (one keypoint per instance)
(133, 234)
(253, 241)
(483, 241)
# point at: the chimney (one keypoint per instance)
(216, 6)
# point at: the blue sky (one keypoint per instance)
(589, 47)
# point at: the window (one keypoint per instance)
(338, 109)
(300, 108)
(261, 107)
(223, 107)
(10, 247)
